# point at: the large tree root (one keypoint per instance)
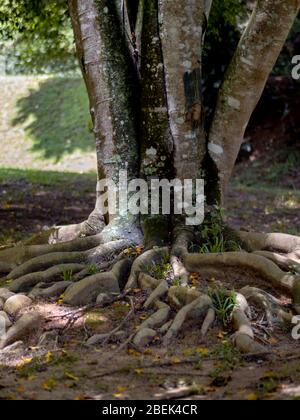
(289, 262)
(269, 271)
(270, 241)
(28, 281)
(101, 268)
(244, 336)
(268, 303)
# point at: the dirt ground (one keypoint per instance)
(192, 368)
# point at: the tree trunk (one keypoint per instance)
(245, 80)
(147, 104)
(112, 84)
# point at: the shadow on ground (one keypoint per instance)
(56, 117)
(33, 200)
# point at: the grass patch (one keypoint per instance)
(223, 303)
(44, 178)
(159, 270)
(229, 358)
(45, 124)
(41, 364)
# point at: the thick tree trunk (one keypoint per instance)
(111, 82)
(157, 143)
(147, 110)
(166, 138)
(181, 33)
(245, 80)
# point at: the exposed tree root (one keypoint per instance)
(22, 253)
(270, 241)
(47, 261)
(87, 290)
(160, 291)
(55, 258)
(180, 272)
(90, 227)
(268, 303)
(143, 262)
(171, 299)
(6, 267)
(28, 281)
(244, 336)
(287, 262)
(194, 309)
(208, 321)
(264, 267)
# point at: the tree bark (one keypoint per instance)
(245, 80)
(112, 84)
(148, 110)
(181, 33)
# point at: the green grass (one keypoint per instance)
(45, 178)
(228, 356)
(56, 117)
(67, 275)
(45, 124)
(223, 303)
(270, 173)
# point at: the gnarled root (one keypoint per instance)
(244, 336)
(114, 269)
(18, 255)
(90, 227)
(270, 241)
(287, 262)
(87, 290)
(256, 263)
(196, 309)
(268, 303)
(28, 281)
(55, 258)
(148, 258)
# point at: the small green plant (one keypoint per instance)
(40, 364)
(67, 275)
(228, 356)
(93, 269)
(177, 282)
(159, 270)
(267, 386)
(214, 246)
(212, 235)
(223, 302)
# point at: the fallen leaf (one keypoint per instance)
(202, 350)
(175, 360)
(119, 392)
(69, 375)
(49, 357)
(26, 360)
(49, 384)
(61, 300)
(252, 397)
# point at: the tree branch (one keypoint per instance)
(245, 79)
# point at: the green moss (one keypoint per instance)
(156, 230)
